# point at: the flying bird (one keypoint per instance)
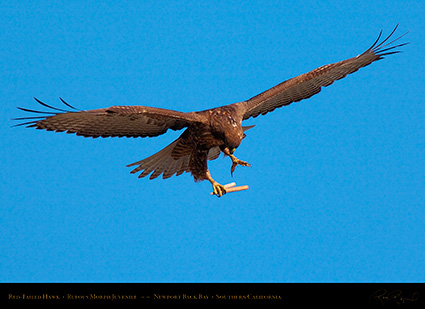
(209, 132)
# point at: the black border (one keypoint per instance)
(342, 294)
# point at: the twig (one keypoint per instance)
(230, 187)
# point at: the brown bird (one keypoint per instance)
(208, 132)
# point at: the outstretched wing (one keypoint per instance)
(115, 121)
(309, 84)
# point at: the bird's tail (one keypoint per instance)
(167, 164)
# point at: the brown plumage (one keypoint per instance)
(207, 132)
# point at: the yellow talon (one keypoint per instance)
(218, 189)
(236, 162)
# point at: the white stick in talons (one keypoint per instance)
(230, 187)
(236, 189)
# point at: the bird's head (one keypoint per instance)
(233, 138)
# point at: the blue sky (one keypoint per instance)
(337, 184)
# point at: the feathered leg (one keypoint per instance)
(218, 189)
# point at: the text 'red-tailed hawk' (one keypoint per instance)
(208, 132)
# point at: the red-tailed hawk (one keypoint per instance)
(208, 132)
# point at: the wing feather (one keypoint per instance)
(213, 153)
(306, 85)
(115, 121)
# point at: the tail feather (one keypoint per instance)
(157, 163)
(164, 163)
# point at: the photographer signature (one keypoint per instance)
(396, 296)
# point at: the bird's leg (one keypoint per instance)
(218, 189)
(235, 161)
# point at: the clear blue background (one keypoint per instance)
(337, 181)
